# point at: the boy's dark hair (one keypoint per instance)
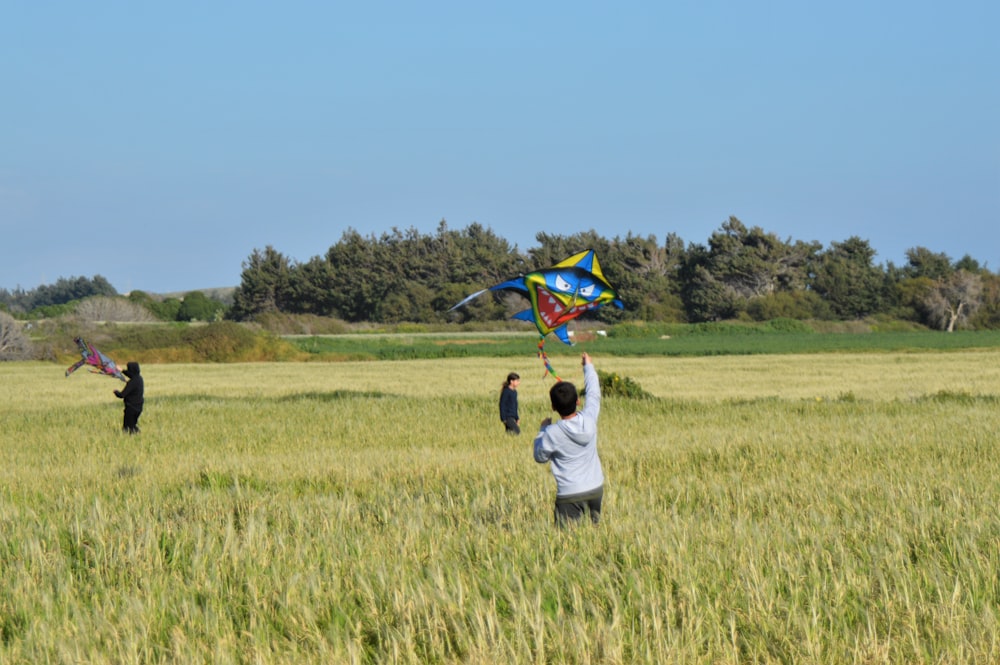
(564, 398)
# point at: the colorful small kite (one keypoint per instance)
(558, 295)
(99, 362)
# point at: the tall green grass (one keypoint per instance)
(812, 508)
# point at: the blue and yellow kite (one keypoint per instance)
(558, 295)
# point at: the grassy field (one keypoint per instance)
(815, 508)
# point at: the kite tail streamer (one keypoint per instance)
(545, 358)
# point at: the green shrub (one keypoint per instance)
(52, 311)
(789, 325)
(144, 338)
(196, 306)
(788, 305)
(165, 310)
(411, 328)
(615, 385)
(645, 329)
(283, 323)
(883, 324)
(225, 341)
(631, 330)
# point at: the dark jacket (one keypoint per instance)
(132, 392)
(508, 404)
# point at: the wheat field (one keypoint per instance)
(828, 508)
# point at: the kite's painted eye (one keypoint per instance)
(562, 284)
(587, 291)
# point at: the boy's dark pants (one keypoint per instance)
(571, 508)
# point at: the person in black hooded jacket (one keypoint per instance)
(132, 394)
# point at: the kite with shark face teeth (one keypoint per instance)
(558, 295)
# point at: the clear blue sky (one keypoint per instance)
(159, 144)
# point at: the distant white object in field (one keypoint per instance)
(602, 333)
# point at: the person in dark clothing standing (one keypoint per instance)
(132, 393)
(508, 404)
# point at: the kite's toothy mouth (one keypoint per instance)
(553, 311)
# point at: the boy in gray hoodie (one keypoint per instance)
(570, 446)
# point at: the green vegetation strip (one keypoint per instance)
(689, 343)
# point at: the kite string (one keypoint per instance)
(545, 358)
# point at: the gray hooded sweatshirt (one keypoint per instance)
(570, 445)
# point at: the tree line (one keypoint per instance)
(55, 295)
(95, 299)
(739, 273)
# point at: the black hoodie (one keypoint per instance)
(132, 392)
